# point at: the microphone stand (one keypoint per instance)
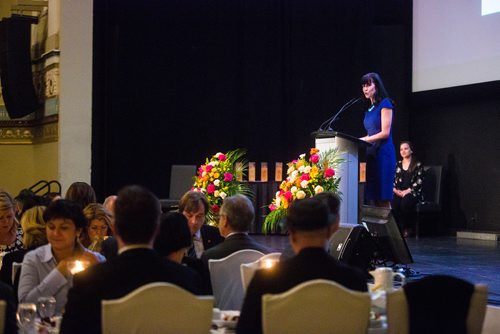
(330, 120)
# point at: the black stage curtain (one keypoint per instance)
(176, 81)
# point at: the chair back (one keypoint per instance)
(248, 269)
(16, 266)
(317, 306)
(3, 310)
(491, 323)
(431, 187)
(157, 308)
(399, 309)
(226, 278)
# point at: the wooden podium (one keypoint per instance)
(348, 149)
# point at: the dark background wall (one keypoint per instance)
(177, 81)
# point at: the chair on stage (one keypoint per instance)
(158, 308)
(437, 304)
(317, 306)
(181, 181)
(226, 278)
(248, 269)
(491, 320)
(432, 197)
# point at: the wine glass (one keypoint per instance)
(26, 313)
(46, 307)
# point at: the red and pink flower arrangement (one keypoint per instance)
(306, 177)
(218, 178)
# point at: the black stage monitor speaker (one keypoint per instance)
(352, 244)
(391, 246)
(15, 67)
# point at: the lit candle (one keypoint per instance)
(278, 172)
(77, 266)
(268, 263)
(251, 172)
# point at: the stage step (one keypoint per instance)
(479, 235)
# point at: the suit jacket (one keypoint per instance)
(309, 264)
(116, 278)
(231, 244)
(7, 294)
(210, 237)
(109, 248)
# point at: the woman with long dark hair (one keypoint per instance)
(380, 156)
(407, 187)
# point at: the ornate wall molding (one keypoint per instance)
(29, 132)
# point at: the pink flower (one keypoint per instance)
(329, 172)
(209, 168)
(200, 170)
(228, 177)
(210, 188)
(314, 158)
(222, 157)
(272, 207)
(306, 177)
(288, 195)
(215, 208)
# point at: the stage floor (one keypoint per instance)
(476, 261)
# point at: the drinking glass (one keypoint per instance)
(46, 307)
(26, 313)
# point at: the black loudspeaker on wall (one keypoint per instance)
(352, 244)
(15, 67)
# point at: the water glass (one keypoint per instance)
(26, 313)
(46, 307)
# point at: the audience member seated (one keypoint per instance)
(109, 246)
(26, 199)
(33, 225)
(194, 206)
(137, 213)
(11, 235)
(235, 218)
(80, 193)
(407, 188)
(45, 271)
(10, 324)
(97, 228)
(310, 227)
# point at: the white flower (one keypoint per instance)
(294, 189)
(277, 194)
(203, 190)
(223, 194)
(216, 182)
(278, 201)
(294, 174)
(300, 194)
(307, 169)
(216, 193)
(318, 189)
(213, 163)
(302, 156)
(290, 169)
(304, 183)
(203, 174)
(301, 169)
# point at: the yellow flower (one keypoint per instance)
(314, 171)
(300, 194)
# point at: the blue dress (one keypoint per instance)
(380, 157)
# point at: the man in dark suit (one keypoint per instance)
(236, 215)
(194, 206)
(137, 213)
(310, 226)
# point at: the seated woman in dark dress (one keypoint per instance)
(407, 188)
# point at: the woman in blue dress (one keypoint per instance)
(380, 156)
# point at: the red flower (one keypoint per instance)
(306, 177)
(208, 168)
(228, 177)
(329, 172)
(314, 158)
(210, 188)
(288, 195)
(215, 208)
(272, 207)
(222, 157)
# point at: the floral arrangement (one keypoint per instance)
(218, 178)
(306, 177)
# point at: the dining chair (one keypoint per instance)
(158, 308)
(225, 277)
(317, 306)
(437, 304)
(248, 269)
(491, 323)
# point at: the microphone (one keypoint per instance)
(325, 126)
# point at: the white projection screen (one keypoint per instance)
(455, 43)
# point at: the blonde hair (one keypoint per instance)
(33, 226)
(7, 202)
(91, 212)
